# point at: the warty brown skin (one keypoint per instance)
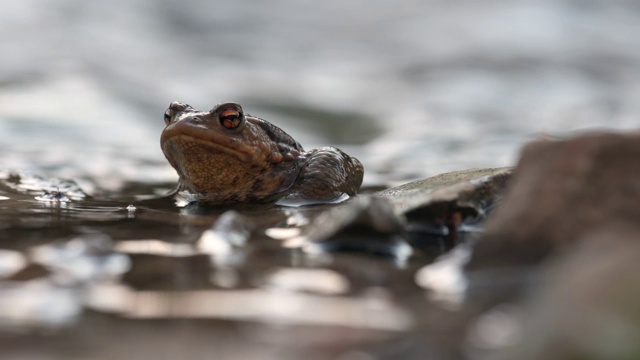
(226, 156)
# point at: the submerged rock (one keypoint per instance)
(561, 191)
(365, 224)
(427, 214)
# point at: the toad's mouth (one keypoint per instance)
(222, 173)
(184, 145)
(182, 137)
(209, 167)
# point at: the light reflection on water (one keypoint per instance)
(445, 279)
(37, 304)
(115, 272)
(369, 311)
(154, 247)
(319, 281)
(83, 272)
(10, 262)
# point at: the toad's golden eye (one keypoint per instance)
(230, 118)
(167, 117)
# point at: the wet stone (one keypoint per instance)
(562, 190)
(586, 305)
(431, 215)
(447, 209)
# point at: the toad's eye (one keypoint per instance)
(167, 117)
(231, 118)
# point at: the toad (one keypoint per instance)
(227, 156)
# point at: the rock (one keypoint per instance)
(440, 208)
(473, 188)
(578, 312)
(364, 224)
(561, 191)
(429, 214)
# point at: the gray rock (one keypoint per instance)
(587, 306)
(561, 191)
(439, 210)
(473, 188)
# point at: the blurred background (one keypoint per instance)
(413, 88)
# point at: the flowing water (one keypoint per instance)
(92, 268)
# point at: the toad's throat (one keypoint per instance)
(225, 174)
(211, 145)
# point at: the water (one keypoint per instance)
(411, 88)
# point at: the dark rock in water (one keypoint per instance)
(430, 214)
(561, 191)
(366, 224)
(442, 208)
(578, 312)
(473, 188)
